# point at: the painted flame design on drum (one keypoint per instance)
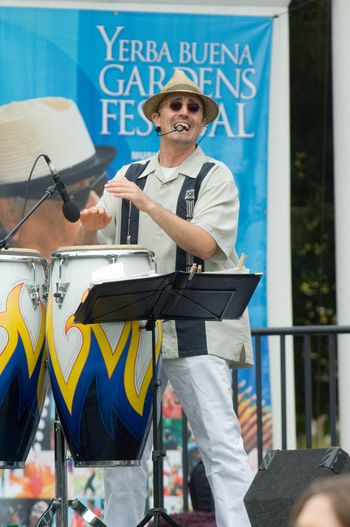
(111, 357)
(136, 396)
(14, 328)
(103, 386)
(137, 399)
(67, 386)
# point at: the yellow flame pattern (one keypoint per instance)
(110, 357)
(14, 324)
(137, 400)
(68, 387)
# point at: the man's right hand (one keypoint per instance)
(94, 218)
(91, 220)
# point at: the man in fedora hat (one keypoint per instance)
(52, 126)
(184, 207)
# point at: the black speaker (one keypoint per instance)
(201, 495)
(281, 478)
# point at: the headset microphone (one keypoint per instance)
(177, 128)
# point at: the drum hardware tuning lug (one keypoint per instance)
(33, 291)
(157, 454)
(60, 293)
(45, 291)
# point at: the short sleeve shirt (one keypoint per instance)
(216, 211)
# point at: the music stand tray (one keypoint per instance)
(174, 296)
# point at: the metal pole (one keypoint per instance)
(61, 474)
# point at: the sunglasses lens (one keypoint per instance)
(193, 107)
(176, 106)
(99, 184)
(80, 197)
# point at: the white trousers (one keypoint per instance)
(203, 386)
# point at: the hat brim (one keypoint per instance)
(93, 166)
(211, 109)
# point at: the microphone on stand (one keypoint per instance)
(69, 208)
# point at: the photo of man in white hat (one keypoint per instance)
(197, 356)
(52, 126)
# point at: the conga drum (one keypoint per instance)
(100, 373)
(23, 292)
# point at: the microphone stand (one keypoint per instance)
(4, 243)
(158, 453)
(60, 504)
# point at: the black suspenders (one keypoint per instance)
(130, 215)
(191, 336)
(188, 185)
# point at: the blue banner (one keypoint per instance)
(110, 62)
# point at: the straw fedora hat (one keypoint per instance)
(53, 126)
(179, 82)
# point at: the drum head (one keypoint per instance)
(100, 248)
(87, 251)
(19, 251)
(22, 255)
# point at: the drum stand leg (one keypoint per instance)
(158, 511)
(59, 506)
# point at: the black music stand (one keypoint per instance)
(174, 296)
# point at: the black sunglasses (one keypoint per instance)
(192, 106)
(80, 195)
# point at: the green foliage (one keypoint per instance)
(312, 207)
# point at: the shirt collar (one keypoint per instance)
(187, 167)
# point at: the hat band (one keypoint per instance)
(183, 87)
(36, 186)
